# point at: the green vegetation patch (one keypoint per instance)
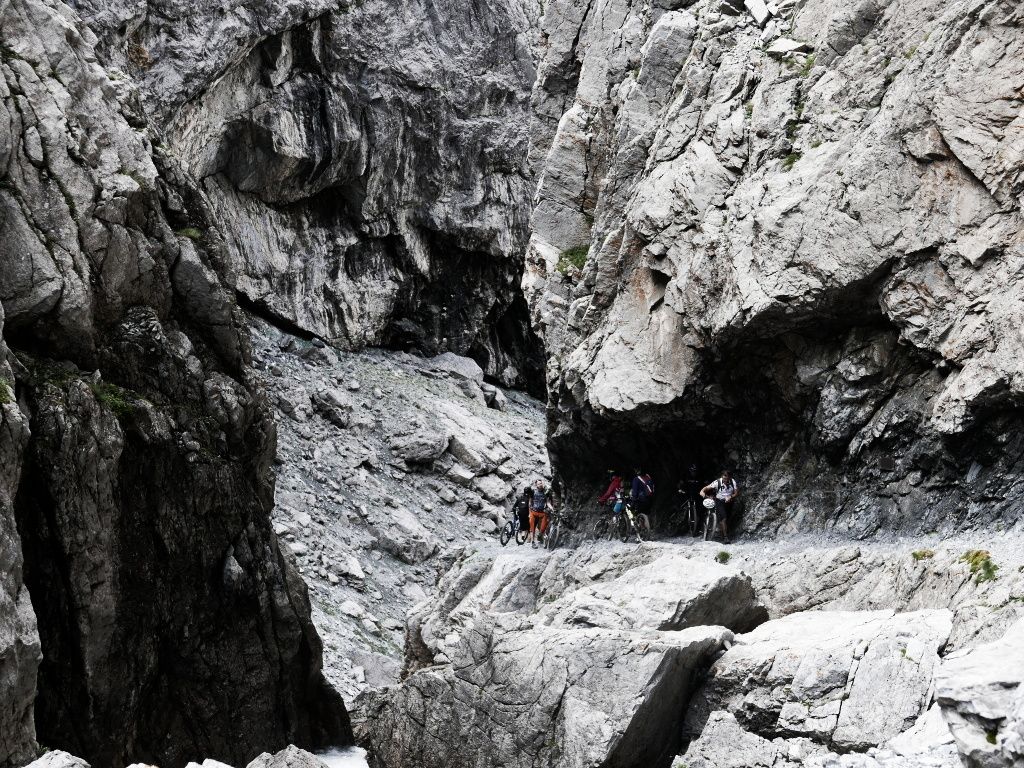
(983, 568)
(790, 160)
(723, 557)
(114, 398)
(190, 232)
(922, 554)
(573, 258)
(805, 70)
(6, 392)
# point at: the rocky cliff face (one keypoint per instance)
(170, 623)
(803, 237)
(366, 161)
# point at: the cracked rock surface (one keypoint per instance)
(366, 163)
(847, 680)
(135, 449)
(502, 668)
(804, 258)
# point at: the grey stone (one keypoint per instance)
(461, 367)
(981, 693)
(851, 680)
(711, 227)
(783, 46)
(58, 759)
(113, 273)
(290, 757)
(759, 10)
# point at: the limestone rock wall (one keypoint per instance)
(19, 639)
(803, 239)
(135, 447)
(366, 162)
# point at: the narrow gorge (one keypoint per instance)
(296, 298)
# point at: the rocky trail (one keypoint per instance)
(387, 466)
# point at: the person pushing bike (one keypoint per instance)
(725, 491)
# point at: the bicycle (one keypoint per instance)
(635, 523)
(513, 529)
(687, 517)
(710, 519)
(692, 515)
(554, 531)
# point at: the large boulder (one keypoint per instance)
(556, 659)
(290, 757)
(657, 587)
(521, 695)
(58, 759)
(672, 591)
(847, 680)
(981, 692)
(458, 366)
(725, 744)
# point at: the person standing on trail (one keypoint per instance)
(725, 490)
(642, 492)
(538, 512)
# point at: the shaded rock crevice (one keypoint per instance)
(168, 625)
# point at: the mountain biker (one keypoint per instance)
(538, 512)
(642, 492)
(690, 485)
(521, 508)
(725, 490)
(614, 483)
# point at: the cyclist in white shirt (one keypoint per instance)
(725, 490)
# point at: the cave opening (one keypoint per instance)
(825, 427)
(471, 304)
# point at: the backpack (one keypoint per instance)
(646, 487)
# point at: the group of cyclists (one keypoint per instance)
(533, 507)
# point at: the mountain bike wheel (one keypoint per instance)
(601, 528)
(710, 524)
(521, 535)
(643, 527)
(623, 528)
(551, 537)
(691, 514)
(506, 533)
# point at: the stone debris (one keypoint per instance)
(378, 488)
(783, 46)
(758, 9)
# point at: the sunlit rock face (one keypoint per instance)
(805, 244)
(366, 162)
